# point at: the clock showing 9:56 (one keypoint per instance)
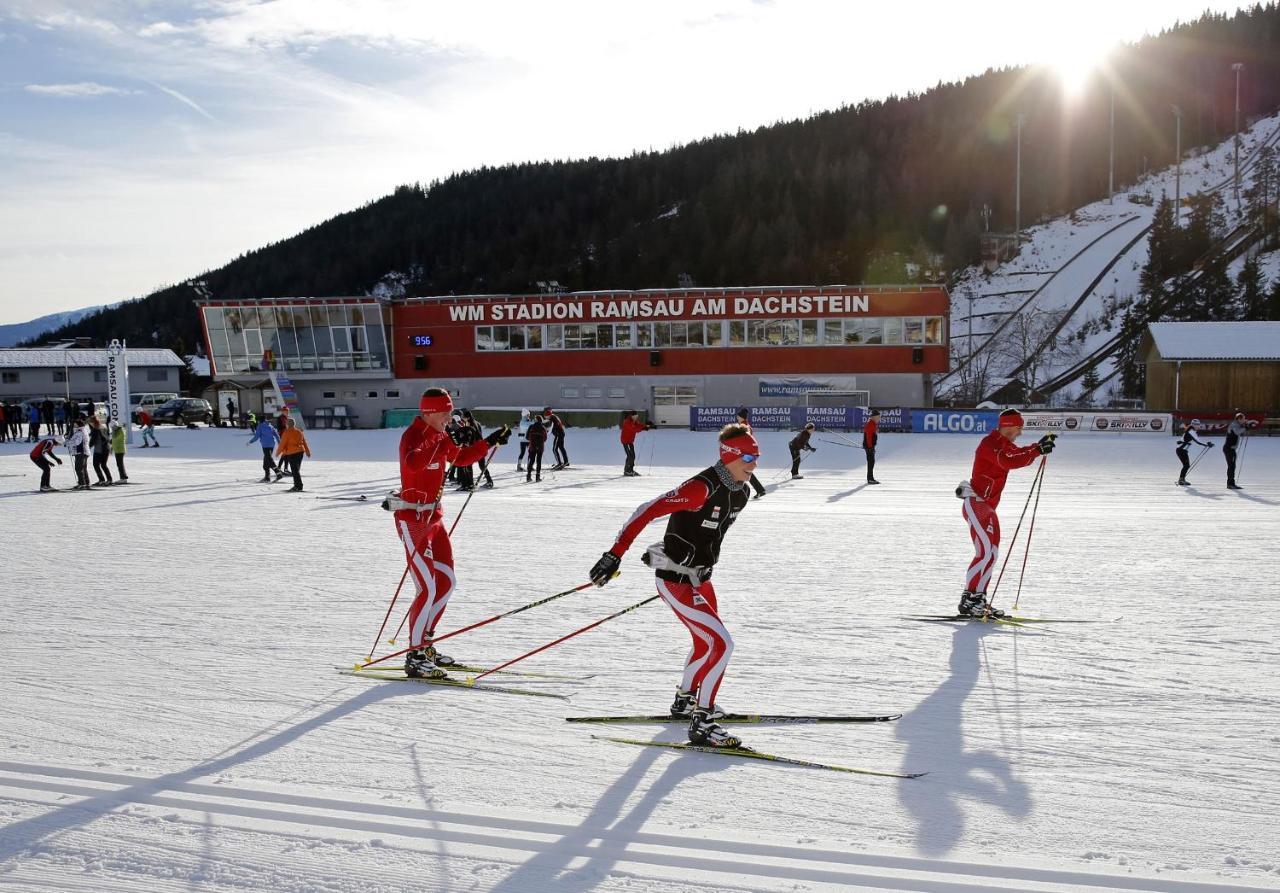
(420, 340)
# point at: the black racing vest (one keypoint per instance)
(693, 538)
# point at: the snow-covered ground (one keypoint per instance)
(171, 718)
(1067, 253)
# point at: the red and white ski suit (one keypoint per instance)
(425, 455)
(712, 508)
(995, 456)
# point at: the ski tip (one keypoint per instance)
(470, 680)
(391, 641)
(357, 666)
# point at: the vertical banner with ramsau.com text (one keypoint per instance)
(118, 408)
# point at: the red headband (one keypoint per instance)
(734, 447)
(435, 403)
(1011, 419)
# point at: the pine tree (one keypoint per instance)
(1273, 302)
(1262, 192)
(1162, 253)
(1252, 300)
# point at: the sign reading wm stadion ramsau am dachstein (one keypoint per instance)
(662, 308)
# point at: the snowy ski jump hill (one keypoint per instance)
(1075, 268)
(172, 719)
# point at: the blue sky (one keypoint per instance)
(142, 143)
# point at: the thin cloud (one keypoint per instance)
(80, 90)
(182, 99)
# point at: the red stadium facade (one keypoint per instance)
(592, 350)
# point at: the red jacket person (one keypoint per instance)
(425, 453)
(701, 510)
(992, 461)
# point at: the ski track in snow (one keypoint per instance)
(172, 721)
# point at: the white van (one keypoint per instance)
(148, 401)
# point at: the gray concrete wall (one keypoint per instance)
(907, 389)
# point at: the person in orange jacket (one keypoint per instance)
(291, 449)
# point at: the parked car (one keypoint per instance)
(184, 411)
(150, 401)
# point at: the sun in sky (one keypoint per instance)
(1075, 57)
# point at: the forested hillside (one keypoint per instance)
(844, 196)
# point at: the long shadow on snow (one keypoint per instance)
(1242, 495)
(846, 493)
(20, 837)
(171, 505)
(549, 866)
(934, 733)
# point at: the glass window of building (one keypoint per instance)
(809, 331)
(872, 331)
(644, 334)
(853, 331)
(679, 334)
(933, 330)
(587, 336)
(533, 337)
(604, 335)
(892, 330)
(832, 331)
(913, 330)
(622, 335)
(501, 337)
(737, 333)
(662, 334)
(555, 337)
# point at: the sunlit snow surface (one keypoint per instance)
(171, 718)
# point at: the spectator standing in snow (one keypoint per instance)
(870, 437)
(266, 436)
(118, 447)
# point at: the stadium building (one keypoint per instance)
(657, 350)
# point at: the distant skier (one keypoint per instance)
(78, 447)
(537, 437)
(41, 455)
(1184, 443)
(556, 424)
(118, 447)
(266, 436)
(744, 418)
(148, 429)
(100, 446)
(996, 454)
(1235, 431)
(870, 437)
(522, 430)
(798, 443)
(631, 426)
(425, 453)
(293, 445)
(701, 510)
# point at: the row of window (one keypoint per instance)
(59, 376)
(337, 338)
(908, 330)
(351, 395)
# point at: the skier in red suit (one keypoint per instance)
(631, 426)
(425, 454)
(996, 454)
(701, 511)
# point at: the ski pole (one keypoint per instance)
(471, 680)
(1204, 452)
(388, 614)
(541, 601)
(1244, 445)
(839, 444)
(1014, 539)
(1030, 532)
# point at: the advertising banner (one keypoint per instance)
(118, 407)
(1216, 422)
(1130, 422)
(831, 418)
(895, 419)
(953, 421)
(779, 418)
(287, 396)
(798, 387)
(1060, 422)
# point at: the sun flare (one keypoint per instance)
(1075, 62)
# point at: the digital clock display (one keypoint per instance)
(420, 340)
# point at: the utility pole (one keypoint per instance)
(1236, 68)
(1111, 166)
(1017, 187)
(1177, 190)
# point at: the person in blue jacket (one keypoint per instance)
(33, 423)
(267, 435)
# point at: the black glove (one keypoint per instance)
(1209, 444)
(813, 449)
(605, 568)
(1045, 444)
(649, 426)
(498, 436)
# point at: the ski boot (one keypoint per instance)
(797, 477)
(974, 604)
(440, 660)
(872, 481)
(704, 731)
(417, 665)
(266, 479)
(682, 706)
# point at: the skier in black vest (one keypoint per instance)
(1184, 443)
(1235, 431)
(701, 511)
(798, 443)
